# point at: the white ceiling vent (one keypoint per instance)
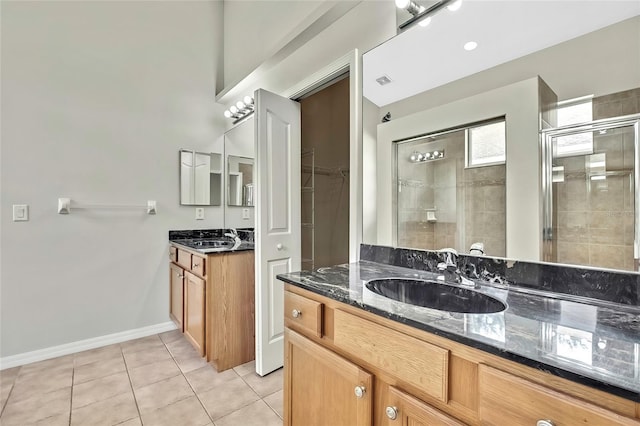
(383, 80)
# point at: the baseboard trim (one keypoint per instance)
(83, 345)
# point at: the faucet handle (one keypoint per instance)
(442, 266)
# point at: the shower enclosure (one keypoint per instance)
(590, 193)
(450, 190)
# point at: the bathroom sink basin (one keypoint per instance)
(436, 295)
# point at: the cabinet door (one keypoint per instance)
(176, 304)
(194, 315)
(402, 409)
(322, 388)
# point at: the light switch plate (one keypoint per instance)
(20, 212)
(199, 213)
(245, 213)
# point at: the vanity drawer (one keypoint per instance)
(302, 314)
(184, 259)
(509, 399)
(173, 254)
(198, 265)
(413, 361)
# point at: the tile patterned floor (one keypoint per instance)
(157, 380)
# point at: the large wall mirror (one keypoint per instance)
(240, 181)
(200, 178)
(526, 62)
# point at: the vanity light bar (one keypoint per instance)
(241, 109)
(421, 157)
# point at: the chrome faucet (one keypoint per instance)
(450, 271)
(233, 233)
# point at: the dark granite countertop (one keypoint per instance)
(590, 341)
(211, 241)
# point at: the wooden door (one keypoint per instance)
(402, 409)
(176, 292)
(277, 250)
(324, 385)
(194, 316)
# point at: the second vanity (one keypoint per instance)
(212, 293)
(354, 357)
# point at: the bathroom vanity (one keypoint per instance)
(212, 294)
(355, 357)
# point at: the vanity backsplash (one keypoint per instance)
(610, 286)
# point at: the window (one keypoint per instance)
(574, 111)
(486, 144)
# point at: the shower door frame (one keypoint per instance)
(546, 150)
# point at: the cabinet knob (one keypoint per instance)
(195, 265)
(180, 276)
(359, 391)
(544, 423)
(296, 313)
(279, 246)
(391, 412)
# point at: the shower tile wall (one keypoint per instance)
(595, 219)
(469, 204)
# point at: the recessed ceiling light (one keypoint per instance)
(383, 80)
(470, 45)
(455, 5)
(426, 21)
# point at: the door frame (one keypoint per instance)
(350, 63)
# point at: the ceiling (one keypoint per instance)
(422, 58)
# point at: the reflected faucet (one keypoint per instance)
(450, 271)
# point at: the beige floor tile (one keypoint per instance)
(111, 411)
(171, 336)
(227, 397)
(144, 343)
(182, 348)
(98, 369)
(37, 383)
(9, 375)
(49, 365)
(207, 378)
(186, 412)
(100, 389)
(152, 373)
(98, 354)
(146, 357)
(132, 422)
(59, 420)
(276, 402)
(5, 390)
(266, 385)
(190, 363)
(256, 414)
(36, 407)
(163, 393)
(244, 369)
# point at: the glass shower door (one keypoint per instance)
(591, 201)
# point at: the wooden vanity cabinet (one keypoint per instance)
(194, 308)
(416, 378)
(212, 303)
(176, 295)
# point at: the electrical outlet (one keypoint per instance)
(199, 213)
(245, 213)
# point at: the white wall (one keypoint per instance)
(97, 98)
(256, 29)
(520, 104)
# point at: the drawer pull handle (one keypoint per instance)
(392, 413)
(544, 423)
(180, 276)
(196, 265)
(296, 313)
(359, 391)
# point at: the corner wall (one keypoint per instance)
(97, 98)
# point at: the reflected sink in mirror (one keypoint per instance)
(436, 295)
(213, 243)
